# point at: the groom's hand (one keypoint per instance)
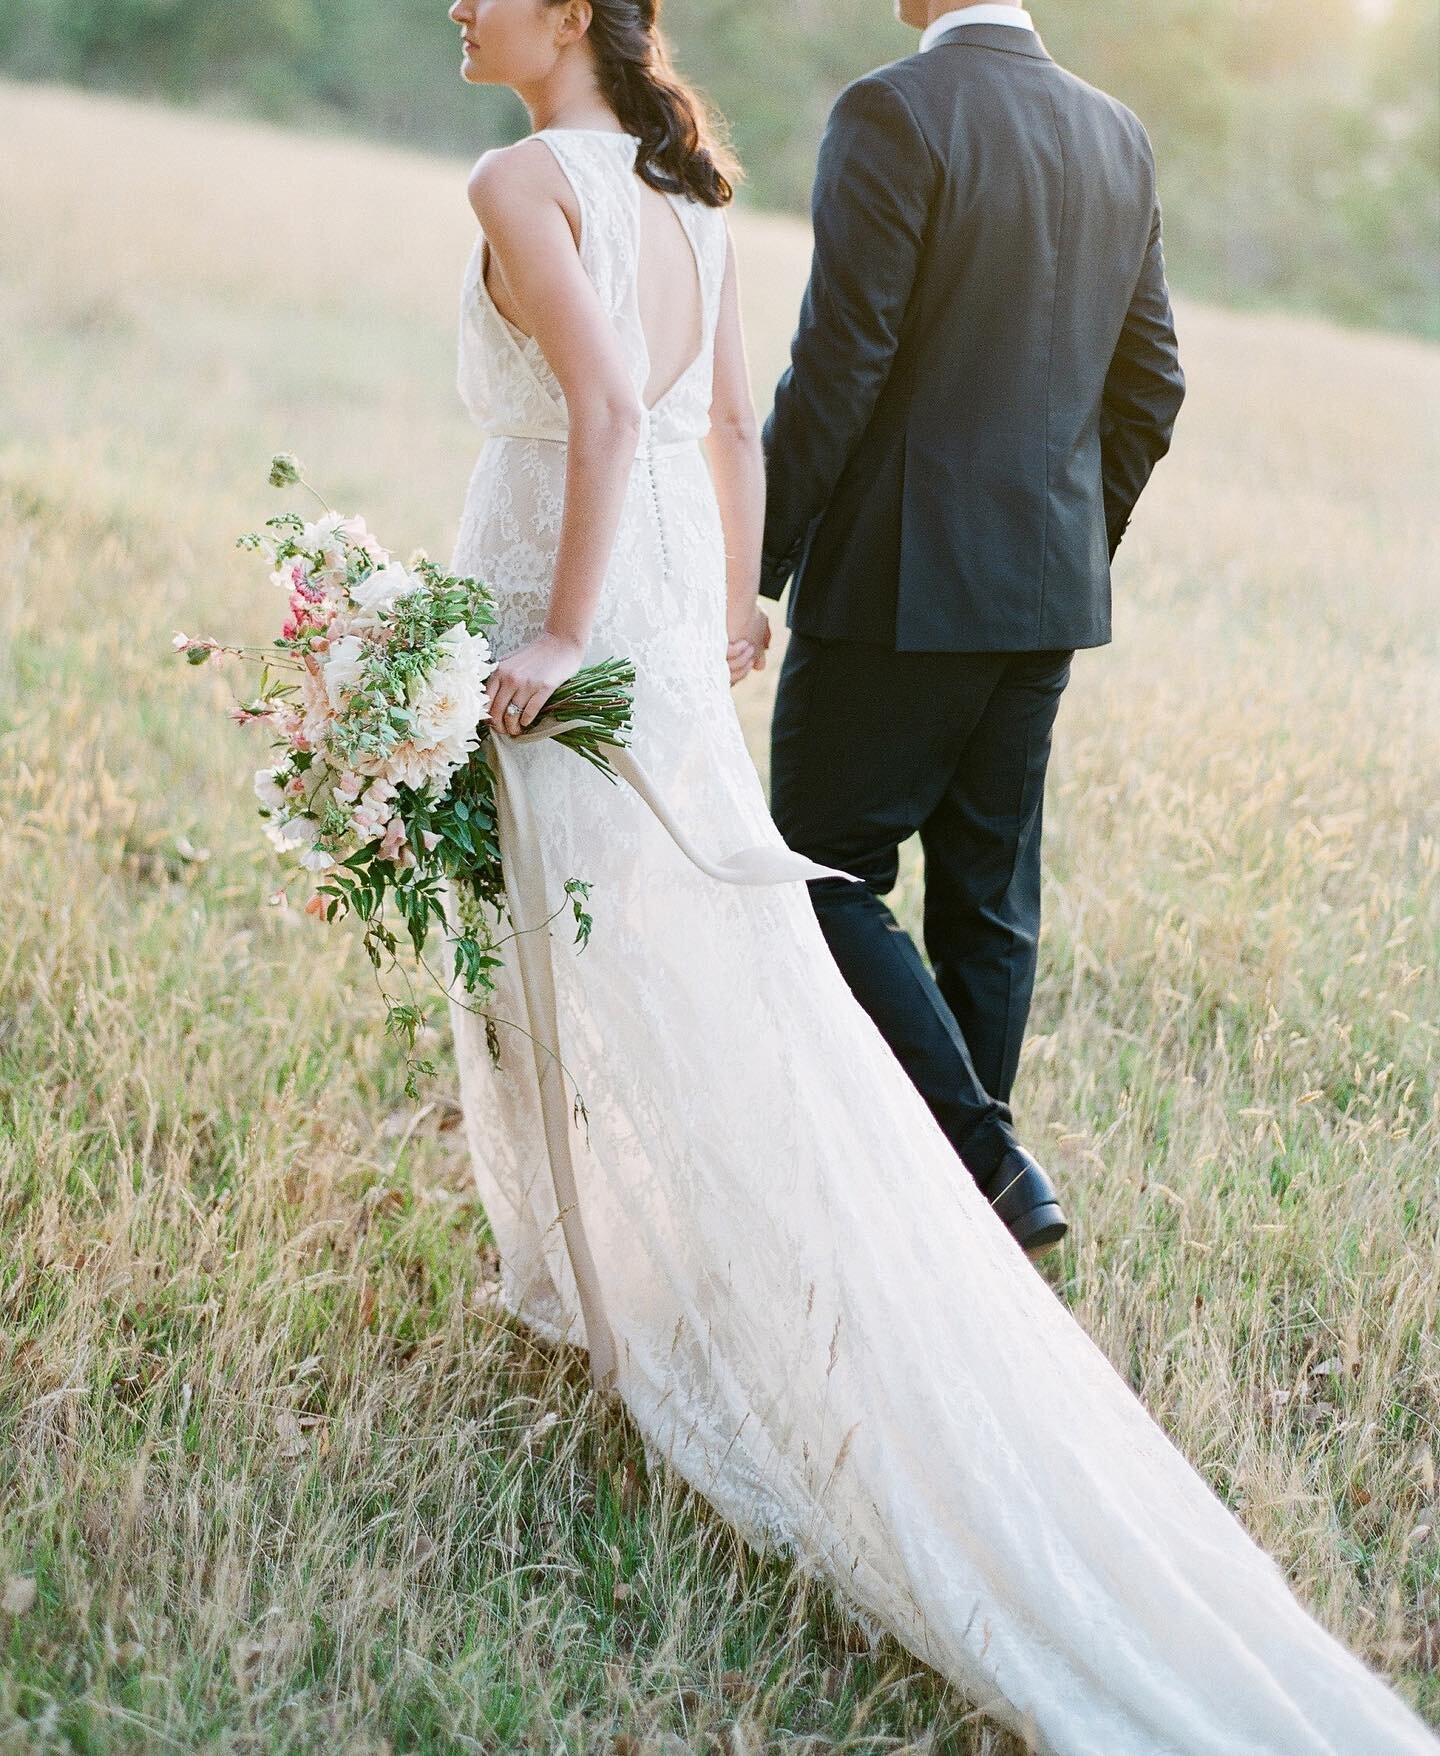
(740, 656)
(748, 645)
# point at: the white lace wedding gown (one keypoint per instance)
(821, 1324)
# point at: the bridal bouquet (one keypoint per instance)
(375, 697)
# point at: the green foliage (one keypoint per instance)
(451, 833)
(1298, 143)
(462, 833)
(1298, 139)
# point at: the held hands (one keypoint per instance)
(749, 642)
(521, 684)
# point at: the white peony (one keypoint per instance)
(448, 709)
(327, 540)
(344, 663)
(450, 702)
(413, 765)
(334, 527)
(379, 591)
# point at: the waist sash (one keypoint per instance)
(649, 447)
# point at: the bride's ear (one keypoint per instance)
(574, 23)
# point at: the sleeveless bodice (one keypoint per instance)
(505, 380)
(663, 602)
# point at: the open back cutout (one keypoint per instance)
(668, 294)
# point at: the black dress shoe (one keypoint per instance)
(1025, 1198)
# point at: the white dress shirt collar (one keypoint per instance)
(1016, 16)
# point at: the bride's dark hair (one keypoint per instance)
(680, 149)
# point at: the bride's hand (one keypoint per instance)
(521, 684)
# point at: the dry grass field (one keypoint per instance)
(273, 1477)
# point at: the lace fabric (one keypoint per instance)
(821, 1323)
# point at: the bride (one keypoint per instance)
(806, 1305)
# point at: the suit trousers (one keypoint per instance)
(870, 746)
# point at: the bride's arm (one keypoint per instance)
(518, 195)
(737, 464)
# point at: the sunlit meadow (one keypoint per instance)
(273, 1473)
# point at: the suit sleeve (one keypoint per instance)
(1144, 388)
(873, 189)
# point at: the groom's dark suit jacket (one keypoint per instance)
(985, 371)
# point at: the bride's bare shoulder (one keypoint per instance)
(510, 176)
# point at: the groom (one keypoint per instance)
(983, 378)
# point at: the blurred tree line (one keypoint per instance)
(1298, 140)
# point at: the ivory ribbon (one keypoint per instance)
(528, 899)
(561, 436)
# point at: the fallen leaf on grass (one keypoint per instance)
(245, 1658)
(379, 1199)
(288, 1431)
